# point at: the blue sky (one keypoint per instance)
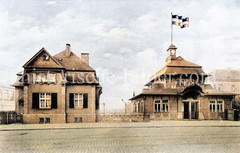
(127, 40)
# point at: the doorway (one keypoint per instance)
(194, 110)
(190, 109)
(186, 110)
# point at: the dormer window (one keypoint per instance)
(45, 57)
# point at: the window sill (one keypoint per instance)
(78, 108)
(44, 108)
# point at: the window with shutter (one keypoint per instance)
(44, 100)
(78, 100)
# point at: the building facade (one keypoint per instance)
(7, 101)
(227, 80)
(179, 91)
(58, 89)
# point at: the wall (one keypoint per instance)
(172, 108)
(87, 114)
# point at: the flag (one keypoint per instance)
(185, 23)
(179, 20)
(175, 20)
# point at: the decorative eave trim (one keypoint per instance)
(40, 51)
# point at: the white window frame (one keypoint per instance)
(138, 106)
(220, 106)
(78, 100)
(165, 106)
(45, 100)
(134, 107)
(162, 107)
(212, 103)
(157, 102)
(216, 105)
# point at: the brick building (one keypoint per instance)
(179, 91)
(58, 89)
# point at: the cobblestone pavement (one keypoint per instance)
(123, 139)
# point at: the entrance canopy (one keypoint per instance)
(192, 91)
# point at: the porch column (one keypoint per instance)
(26, 104)
(180, 108)
(190, 111)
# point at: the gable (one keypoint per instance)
(43, 59)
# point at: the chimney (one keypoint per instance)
(68, 50)
(85, 57)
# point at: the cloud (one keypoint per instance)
(51, 2)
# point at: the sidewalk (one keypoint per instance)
(152, 124)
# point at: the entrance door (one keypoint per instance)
(186, 110)
(194, 110)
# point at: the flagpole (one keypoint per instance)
(171, 29)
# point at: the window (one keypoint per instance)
(157, 106)
(142, 106)
(212, 106)
(78, 100)
(161, 106)
(219, 106)
(165, 106)
(45, 100)
(216, 106)
(41, 120)
(44, 120)
(77, 119)
(138, 107)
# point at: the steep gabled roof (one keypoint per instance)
(30, 63)
(73, 62)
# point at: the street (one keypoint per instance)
(123, 139)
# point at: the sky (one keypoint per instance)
(126, 40)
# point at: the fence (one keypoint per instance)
(9, 117)
(123, 118)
